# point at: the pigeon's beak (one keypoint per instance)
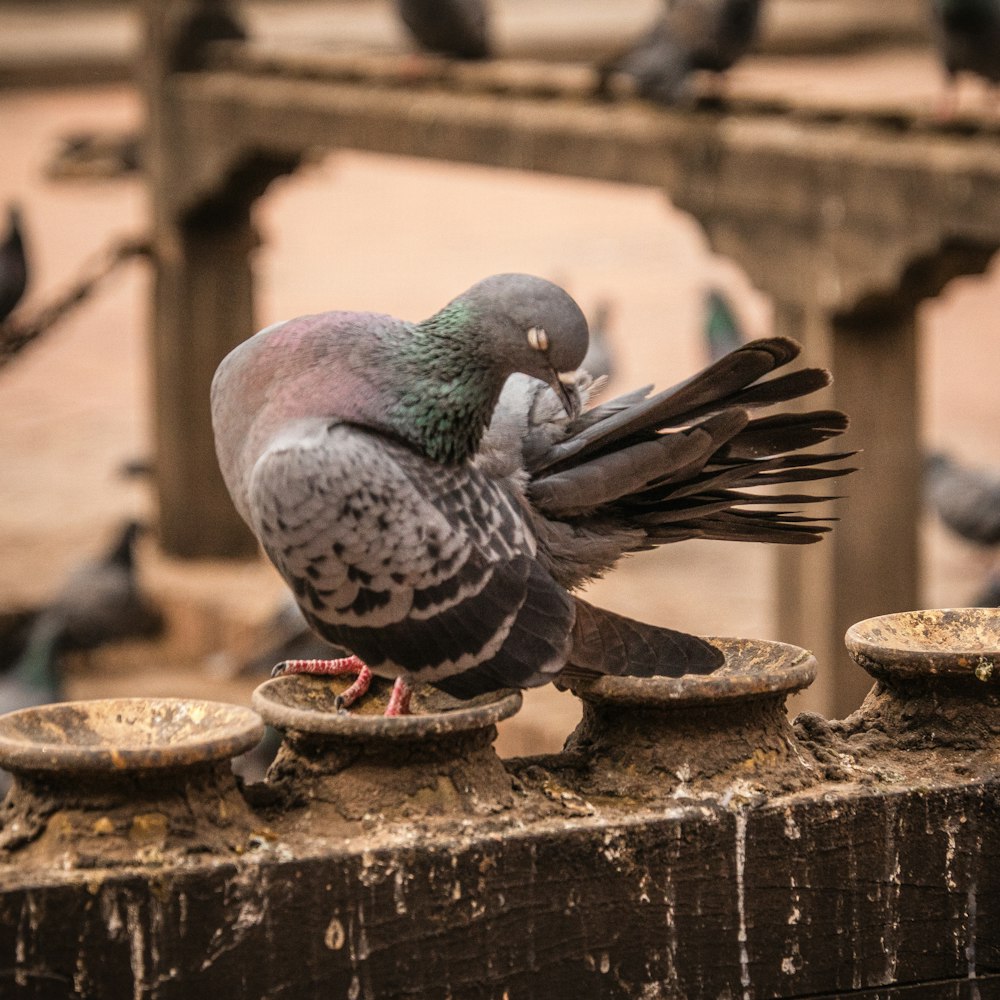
(564, 384)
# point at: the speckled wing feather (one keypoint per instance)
(431, 571)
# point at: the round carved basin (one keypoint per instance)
(950, 643)
(754, 668)
(125, 734)
(306, 704)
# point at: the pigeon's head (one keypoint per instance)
(532, 326)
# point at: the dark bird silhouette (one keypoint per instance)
(13, 264)
(689, 35)
(967, 37)
(431, 513)
(450, 27)
(989, 594)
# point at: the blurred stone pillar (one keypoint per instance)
(203, 287)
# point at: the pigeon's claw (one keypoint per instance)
(332, 668)
(345, 699)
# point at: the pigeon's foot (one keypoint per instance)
(399, 700)
(334, 668)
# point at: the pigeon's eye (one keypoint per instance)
(538, 339)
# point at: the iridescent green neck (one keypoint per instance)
(448, 387)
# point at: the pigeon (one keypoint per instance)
(966, 499)
(967, 37)
(433, 492)
(689, 35)
(599, 362)
(723, 332)
(451, 27)
(99, 603)
(13, 264)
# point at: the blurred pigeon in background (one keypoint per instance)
(967, 500)
(356, 447)
(689, 35)
(451, 27)
(722, 330)
(599, 361)
(100, 602)
(291, 639)
(967, 36)
(13, 264)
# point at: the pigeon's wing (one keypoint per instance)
(418, 568)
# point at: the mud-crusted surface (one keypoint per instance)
(911, 733)
(350, 781)
(646, 754)
(151, 820)
(962, 644)
(117, 734)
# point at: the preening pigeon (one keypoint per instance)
(433, 519)
(452, 27)
(13, 264)
(967, 37)
(689, 35)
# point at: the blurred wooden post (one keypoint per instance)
(826, 588)
(203, 295)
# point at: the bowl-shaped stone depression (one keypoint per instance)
(754, 668)
(953, 644)
(125, 734)
(307, 705)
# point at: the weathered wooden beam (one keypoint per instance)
(804, 896)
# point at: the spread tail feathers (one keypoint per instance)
(677, 464)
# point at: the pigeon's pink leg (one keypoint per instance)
(399, 700)
(332, 668)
